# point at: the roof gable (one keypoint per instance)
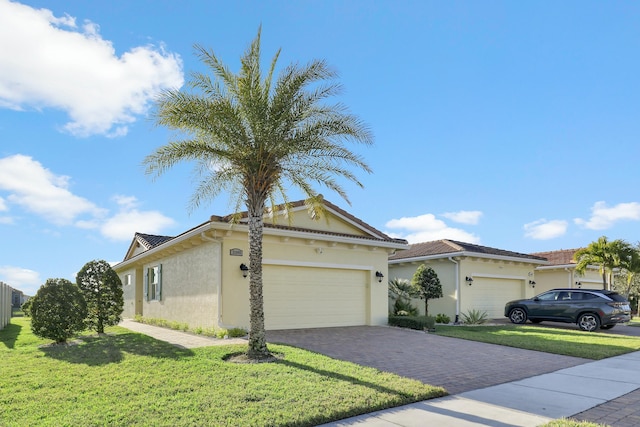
(453, 247)
(143, 242)
(335, 221)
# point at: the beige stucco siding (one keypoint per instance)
(549, 278)
(300, 218)
(189, 287)
(446, 274)
(494, 283)
(284, 259)
(128, 293)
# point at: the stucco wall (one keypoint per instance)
(300, 253)
(513, 275)
(446, 273)
(566, 278)
(189, 287)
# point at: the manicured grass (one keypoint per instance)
(572, 423)
(589, 345)
(129, 379)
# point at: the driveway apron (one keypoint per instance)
(455, 364)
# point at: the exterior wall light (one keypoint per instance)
(532, 283)
(379, 276)
(245, 270)
(469, 280)
(578, 284)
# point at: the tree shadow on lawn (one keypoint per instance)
(96, 350)
(9, 335)
(402, 397)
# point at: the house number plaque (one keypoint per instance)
(235, 252)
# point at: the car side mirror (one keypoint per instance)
(536, 299)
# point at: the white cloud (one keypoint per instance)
(545, 230)
(464, 217)
(49, 62)
(603, 217)
(125, 223)
(38, 190)
(3, 205)
(27, 281)
(425, 228)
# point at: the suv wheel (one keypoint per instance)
(588, 322)
(518, 315)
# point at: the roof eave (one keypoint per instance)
(469, 254)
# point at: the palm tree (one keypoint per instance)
(604, 253)
(255, 138)
(630, 264)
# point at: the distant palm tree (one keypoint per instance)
(606, 254)
(255, 138)
(630, 265)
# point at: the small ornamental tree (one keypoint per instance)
(58, 310)
(102, 289)
(426, 285)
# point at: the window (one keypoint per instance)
(127, 280)
(153, 283)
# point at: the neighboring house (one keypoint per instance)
(316, 273)
(473, 277)
(17, 298)
(561, 272)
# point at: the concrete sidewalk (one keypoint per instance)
(528, 402)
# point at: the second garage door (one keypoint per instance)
(490, 295)
(305, 297)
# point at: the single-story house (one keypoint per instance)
(316, 272)
(473, 277)
(482, 278)
(560, 272)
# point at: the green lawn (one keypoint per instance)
(589, 345)
(129, 379)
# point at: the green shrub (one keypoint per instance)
(26, 307)
(58, 310)
(420, 323)
(402, 305)
(474, 317)
(237, 333)
(443, 318)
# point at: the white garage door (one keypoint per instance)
(304, 297)
(490, 295)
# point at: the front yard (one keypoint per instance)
(129, 379)
(588, 345)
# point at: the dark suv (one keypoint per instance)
(590, 309)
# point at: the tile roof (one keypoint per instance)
(150, 241)
(561, 257)
(446, 246)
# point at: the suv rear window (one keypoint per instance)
(616, 296)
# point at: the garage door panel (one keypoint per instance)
(490, 295)
(302, 297)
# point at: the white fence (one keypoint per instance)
(5, 304)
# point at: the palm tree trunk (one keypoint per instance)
(257, 339)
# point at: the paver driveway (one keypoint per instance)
(455, 364)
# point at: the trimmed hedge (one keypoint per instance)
(420, 323)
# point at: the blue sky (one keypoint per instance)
(509, 124)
